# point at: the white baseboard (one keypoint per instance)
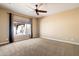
(70, 42)
(3, 43)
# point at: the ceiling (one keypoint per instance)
(28, 8)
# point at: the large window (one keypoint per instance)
(23, 29)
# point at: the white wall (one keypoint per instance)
(62, 26)
(35, 27)
(4, 26)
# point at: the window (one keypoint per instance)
(24, 29)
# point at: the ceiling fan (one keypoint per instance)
(37, 10)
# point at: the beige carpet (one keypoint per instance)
(39, 47)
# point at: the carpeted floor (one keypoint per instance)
(39, 47)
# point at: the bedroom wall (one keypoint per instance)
(63, 26)
(35, 27)
(4, 23)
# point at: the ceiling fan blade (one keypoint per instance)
(42, 11)
(37, 13)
